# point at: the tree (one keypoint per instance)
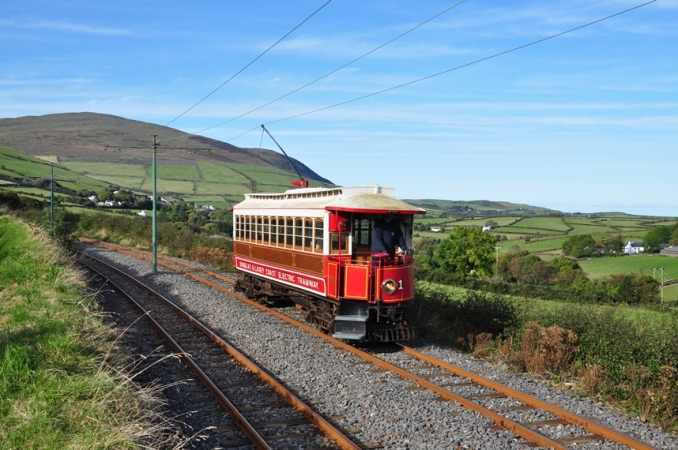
(579, 246)
(659, 235)
(614, 246)
(505, 263)
(467, 250)
(569, 273)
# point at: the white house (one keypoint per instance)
(435, 229)
(143, 213)
(487, 227)
(633, 248)
(93, 198)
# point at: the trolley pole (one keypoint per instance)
(155, 206)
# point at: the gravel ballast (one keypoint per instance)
(373, 406)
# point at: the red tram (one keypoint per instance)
(312, 246)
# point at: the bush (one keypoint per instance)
(437, 315)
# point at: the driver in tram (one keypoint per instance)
(386, 234)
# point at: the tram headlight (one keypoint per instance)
(389, 286)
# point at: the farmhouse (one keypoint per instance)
(435, 229)
(633, 248)
(487, 227)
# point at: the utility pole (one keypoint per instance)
(662, 285)
(154, 171)
(496, 264)
(51, 198)
(155, 206)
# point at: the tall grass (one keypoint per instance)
(59, 387)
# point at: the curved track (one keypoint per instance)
(454, 383)
(220, 367)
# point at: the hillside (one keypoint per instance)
(479, 207)
(82, 137)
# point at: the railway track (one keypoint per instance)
(239, 386)
(537, 422)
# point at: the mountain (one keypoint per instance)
(84, 136)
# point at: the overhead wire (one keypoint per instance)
(496, 55)
(514, 49)
(250, 63)
(335, 70)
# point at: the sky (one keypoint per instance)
(584, 122)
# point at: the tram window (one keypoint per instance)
(266, 231)
(318, 247)
(259, 229)
(298, 233)
(289, 236)
(334, 240)
(281, 231)
(362, 231)
(236, 227)
(274, 230)
(308, 235)
(247, 228)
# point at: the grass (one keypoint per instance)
(129, 183)
(20, 165)
(103, 169)
(536, 307)
(59, 387)
(221, 173)
(174, 186)
(640, 264)
(215, 200)
(185, 172)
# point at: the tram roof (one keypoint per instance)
(365, 199)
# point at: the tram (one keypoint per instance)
(313, 246)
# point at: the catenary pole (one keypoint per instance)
(155, 206)
(51, 198)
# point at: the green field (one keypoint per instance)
(185, 172)
(202, 178)
(602, 267)
(20, 165)
(640, 264)
(129, 183)
(215, 200)
(221, 173)
(536, 305)
(173, 186)
(103, 169)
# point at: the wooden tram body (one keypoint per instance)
(312, 246)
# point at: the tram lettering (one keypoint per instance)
(309, 283)
(270, 272)
(286, 277)
(245, 265)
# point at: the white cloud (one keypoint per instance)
(75, 28)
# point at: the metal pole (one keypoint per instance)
(155, 206)
(51, 198)
(662, 269)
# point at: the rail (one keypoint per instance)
(522, 430)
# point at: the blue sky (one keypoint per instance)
(583, 122)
